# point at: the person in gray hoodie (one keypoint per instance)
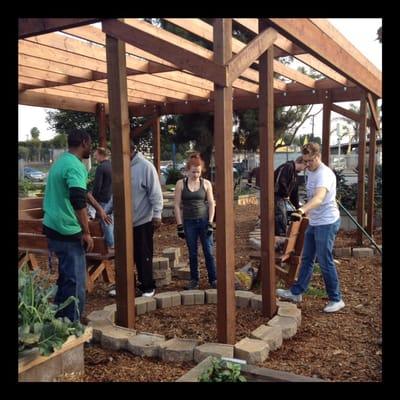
(147, 205)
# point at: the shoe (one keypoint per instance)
(288, 295)
(149, 294)
(213, 285)
(192, 285)
(334, 306)
(112, 293)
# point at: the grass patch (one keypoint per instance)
(315, 292)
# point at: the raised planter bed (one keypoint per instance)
(251, 373)
(33, 367)
(245, 199)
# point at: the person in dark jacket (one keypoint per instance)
(102, 192)
(286, 188)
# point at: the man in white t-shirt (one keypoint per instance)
(323, 212)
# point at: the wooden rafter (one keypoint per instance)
(372, 108)
(35, 26)
(323, 47)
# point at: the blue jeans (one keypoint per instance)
(194, 229)
(108, 230)
(71, 276)
(319, 242)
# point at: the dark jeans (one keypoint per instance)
(71, 276)
(143, 248)
(194, 229)
(318, 242)
(280, 217)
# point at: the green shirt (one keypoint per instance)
(67, 172)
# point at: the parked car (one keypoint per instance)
(34, 175)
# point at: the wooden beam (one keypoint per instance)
(36, 26)
(250, 53)
(121, 182)
(371, 177)
(303, 32)
(181, 57)
(372, 108)
(101, 121)
(266, 121)
(326, 128)
(346, 113)
(226, 306)
(156, 143)
(361, 168)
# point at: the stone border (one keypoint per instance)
(253, 349)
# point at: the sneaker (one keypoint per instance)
(112, 293)
(149, 294)
(213, 285)
(334, 306)
(288, 295)
(192, 285)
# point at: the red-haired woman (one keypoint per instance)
(194, 213)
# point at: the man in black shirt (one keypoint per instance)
(286, 188)
(102, 192)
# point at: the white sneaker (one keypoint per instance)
(112, 293)
(334, 306)
(149, 294)
(287, 294)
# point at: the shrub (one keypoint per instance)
(173, 176)
(37, 323)
(222, 371)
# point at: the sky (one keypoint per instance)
(361, 32)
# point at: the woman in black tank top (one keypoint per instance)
(194, 213)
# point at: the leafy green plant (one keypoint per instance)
(222, 371)
(173, 176)
(315, 292)
(37, 322)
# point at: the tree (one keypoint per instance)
(59, 141)
(379, 35)
(35, 133)
(23, 152)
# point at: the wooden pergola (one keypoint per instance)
(130, 67)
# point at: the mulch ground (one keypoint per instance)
(343, 346)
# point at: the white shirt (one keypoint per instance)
(327, 212)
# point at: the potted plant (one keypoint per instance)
(41, 335)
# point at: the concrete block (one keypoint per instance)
(256, 302)
(360, 252)
(115, 337)
(145, 304)
(172, 253)
(211, 296)
(178, 350)
(160, 263)
(145, 344)
(163, 300)
(182, 273)
(290, 312)
(287, 324)
(269, 334)
(342, 252)
(162, 274)
(187, 297)
(243, 298)
(252, 350)
(212, 349)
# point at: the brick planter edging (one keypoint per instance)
(253, 349)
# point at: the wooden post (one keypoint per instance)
(267, 203)
(371, 176)
(101, 120)
(326, 127)
(226, 304)
(121, 181)
(361, 168)
(156, 143)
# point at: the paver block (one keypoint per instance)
(243, 298)
(98, 326)
(162, 274)
(212, 349)
(172, 253)
(281, 303)
(178, 350)
(99, 315)
(115, 338)
(162, 282)
(190, 297)
(145, 344)
(252, 350)
(182, 273)
(291, 312)
(145, 304)
(256, 302)
(359, 252)
(288, 325)
(270, 334)
(342, 252)
(211, 296)
(167, 299)
(160, 263)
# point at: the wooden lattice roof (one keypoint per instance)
(66, 67)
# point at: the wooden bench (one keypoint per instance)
(32, 241)
(287, 261)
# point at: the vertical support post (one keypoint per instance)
(371, 176)
(156, 143)
(101, 121)
(326, 127)
(266, 121)
(361, 168)
(226, 304)
(121, 181)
